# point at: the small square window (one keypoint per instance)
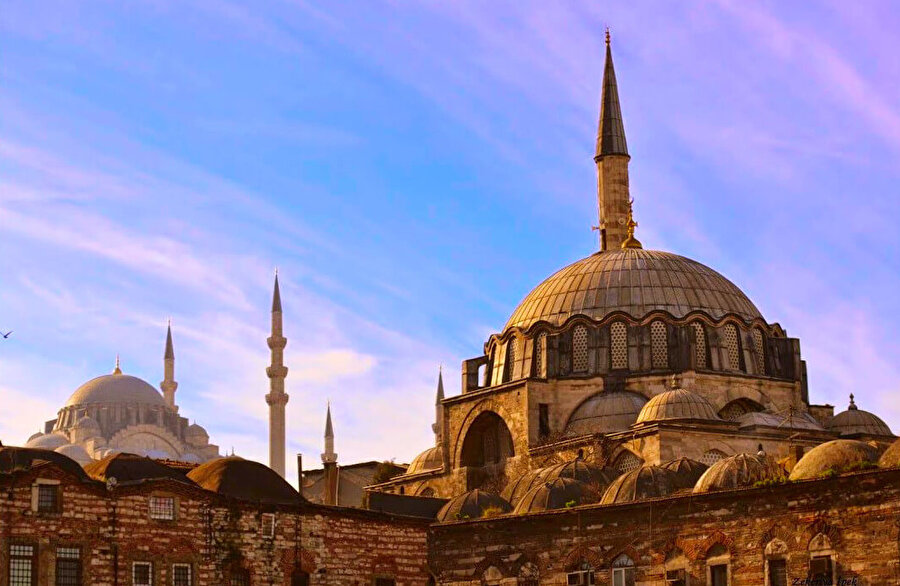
(47, 498)
(162, 508)
(142, 574)
(267, 525)
(181, 575)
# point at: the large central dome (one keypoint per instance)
(633, 281)
(115, 388)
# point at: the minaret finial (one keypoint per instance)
(852, 406)
(631, 241)
(607, 36)
(117, 369)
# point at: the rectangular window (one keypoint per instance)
(68, 566)
(48, 498)
(21, 565)
(162, 508)
(267, 525)
(777, 573)
(543, 420)
(718, 575)
(583, 578)
(675, 577)
(142, 574)
(623, 577)
(181, 575)
(820, 568)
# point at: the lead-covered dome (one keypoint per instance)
(677, 404)
(430, 459)
(115, 388)
(605, 413)
(835, 457)
(633, 281)
(738, 471)
(473, 504)
(854, 420)
(244, 479)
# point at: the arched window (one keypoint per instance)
(487, 441)
(776, 563)
(717, 562)
(659, 345)
(732, 346)
(427, 491)
(700, 360)
(821, 565)
(710, 457)
(618, 345)
(510, 362)
(529, 575)
(540, 353)
(626, 462)
(623, 571)
(491, 576)
(733, 410)
(759, 351)
(583, 575)
(579, 349)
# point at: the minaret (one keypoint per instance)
(438, 426)
(168, 385)
(276, 398)
(612, 162)
(329, 461)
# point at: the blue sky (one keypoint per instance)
(414, 169)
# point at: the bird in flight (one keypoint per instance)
(6, 335)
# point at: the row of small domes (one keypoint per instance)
(579, 483)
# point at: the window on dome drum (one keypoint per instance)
(540, 351)
(267, 525)
(732, 345)
(181, 575)
(22, 564)
(710, 457)
(623, 571)
(239, 577)
(68, 566)
(659, 345)
(142, 574)
(618, 345)
(759, 351)
(162, 508)
(47, 498)
(700, 360)
(510, 362)
(579, 349)
(583, 576)
(626, 462)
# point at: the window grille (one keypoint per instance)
(181, 575)
(618, 333)
(511, 355)
(580, 349)
(659, 345)
(68, 566)
(699, 345)
(777, 572)
(710, 457)
(540, 350)
(759, 347)
(627, 462)
(240, 578)
(732, 411)
(142, 574)
(730, 335)
(48, 498)
(21, 565)
(162, 507)
(267, 525)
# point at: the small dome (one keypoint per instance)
(891, 457)
(34, 436)
(595, 477)
(834, 457)
(687, 471)
(516, 489)
(115, 388)
(430, 459)
(15, 458)
(560, 493)
(75, 452)
(605, 413)
(131, 467)
(244, 479)
(799, 420)
(49, 441)
(677, 404)
(473, 505)
(87, 423)
(738, 471)
(646, 482)
(854, 420)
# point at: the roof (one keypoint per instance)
(646, 482)
(244, 479)
(472, 505)
(605, 412)
(738, 471)
(559, 493)
(834, 457)
(796, 420)
(131, 467)
(677, 404)
(891, 457)
(115, 388)
(635, 282)
(430, 459)
(688, 471)
(611, 129)
(516, 489)
(854, 420)
(594, 476)
(14, 458)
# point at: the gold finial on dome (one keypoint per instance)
(117, 370)
(631, 241)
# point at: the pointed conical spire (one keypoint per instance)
(328, 456)
(276, 296)
(329, 429)
(168, 384)
(611, 130)
(438, 426)
(440, 387)
(170, 349)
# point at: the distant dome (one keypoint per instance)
(677, 404)
(244, 479)
(835, 457)
(115, 388)
(15, 458)
(75, 452)
(738, 471)
(34, 436)
(633, 281)
(49, 441)
(129, 467)
(196, 435)
(688, 471)
(646, 482)
(430, 459)
(516, 489)
(87, 423)
(891, 457)
(556, 494)
(594, 476)
(605, 413)
(798, 420)
(854, 420)
(472, 505)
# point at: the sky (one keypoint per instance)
(413, 169)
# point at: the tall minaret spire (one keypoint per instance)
(168, 385)
(611, 157)
(329, 456)
(329, 463)
(438, 426)
(276, 398)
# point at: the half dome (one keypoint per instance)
(115, 388)
(677, 404)
(473, 505)
(635, 282)
(738, 471)
(835, 457)
(605, 413)
(244, 479)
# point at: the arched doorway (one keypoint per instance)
(488, 441)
